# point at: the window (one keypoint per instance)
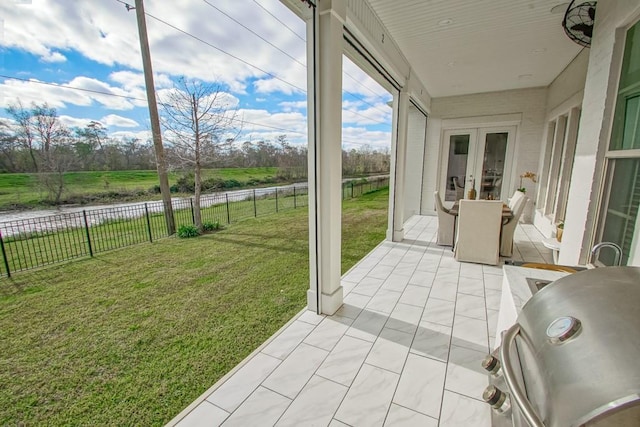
(621, 191)
(558, 164)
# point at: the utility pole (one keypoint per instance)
(155, 120)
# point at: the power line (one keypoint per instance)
(291, 57)
(256, 67)
(133, 98)
(254, 33)
(271, 44)
(144, 100)
(278, 19)
(377, 96)
(366, 102)
(223, 51)
(296, 34)
(72, 87)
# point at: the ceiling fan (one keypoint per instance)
(578, 22)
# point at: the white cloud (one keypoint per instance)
(367, 115)
(74, 122)
(264, 120)
(358, 82)
(59, 96)
(262, 125)
(221, 100)
(111, 120)
(143, 135)
(132, 80)
(293, 105)
(105, 32)
(357, 137)
(114, 120)
(53, 57)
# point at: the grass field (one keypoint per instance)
(133, 336)
(23, 189)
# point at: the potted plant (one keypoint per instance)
(559, 230)
(528, 174)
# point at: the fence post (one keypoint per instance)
(193, 215)
(276, 199)
(86, 229)
(255, 206)
(352, 189)
(295, 205)
(4, 255)
(146, 211)
(228, 214)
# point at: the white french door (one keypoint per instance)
(480, 158)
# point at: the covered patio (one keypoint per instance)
(398, 340)
(404, 349)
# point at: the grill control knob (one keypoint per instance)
(491, 364)
(496, 398)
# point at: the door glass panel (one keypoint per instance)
(622, 208)
(495, 151)
(457, 167)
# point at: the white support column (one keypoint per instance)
(324, 82)
(395, 230)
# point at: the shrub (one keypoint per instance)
(186, 231)
(211, 225)
(185, 184)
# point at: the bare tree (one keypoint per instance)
(57, 161)
(24, 130)
(8, 148)
(56, 149)
(197, 118)
(89, 144)
(47, 126)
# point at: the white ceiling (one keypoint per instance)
(488, 45)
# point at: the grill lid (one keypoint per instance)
(579, 345)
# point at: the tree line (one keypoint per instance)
(35, 140)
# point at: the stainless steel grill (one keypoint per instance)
(573, 357)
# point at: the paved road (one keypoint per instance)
(120, 211)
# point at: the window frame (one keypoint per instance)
(611, 154)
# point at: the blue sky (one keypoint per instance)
(94, 45)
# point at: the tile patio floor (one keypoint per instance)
(404, 350)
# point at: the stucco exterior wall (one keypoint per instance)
(414, 163)
(564, 93)
(612, 19)
(568, 83)
(529, 104)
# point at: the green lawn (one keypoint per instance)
(23, 188)
(133, 336)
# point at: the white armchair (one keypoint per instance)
(445, 223)
(508, 229)
(459, 188)
(478, 235)
(517, 196)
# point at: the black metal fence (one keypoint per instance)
(36, 242)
